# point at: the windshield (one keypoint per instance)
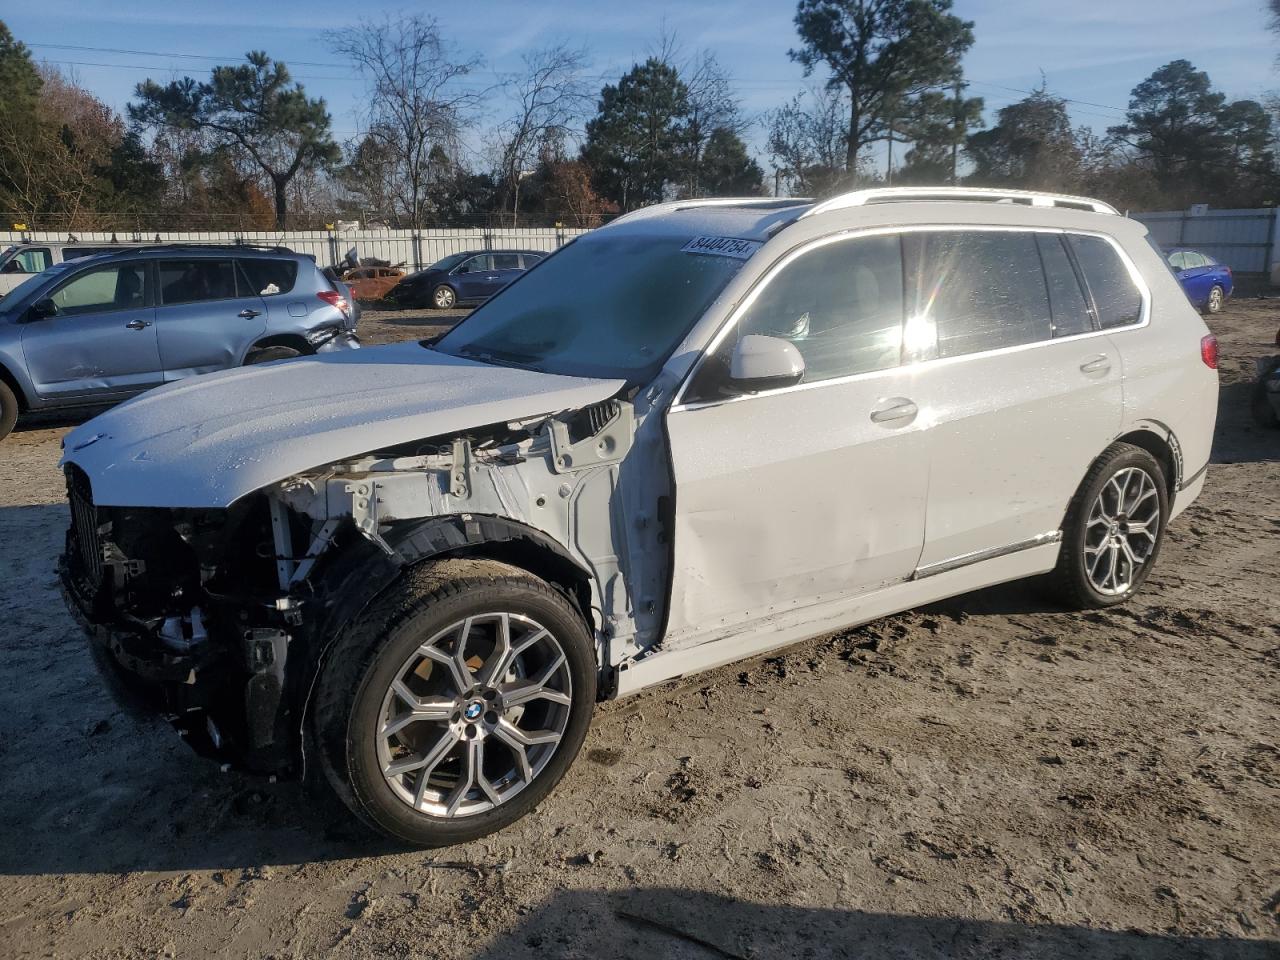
(449, 262)
(606, 305)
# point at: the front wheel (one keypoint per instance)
(1113, 530)
(443, 297)
(1217, 297)
(454, 704)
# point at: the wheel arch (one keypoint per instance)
(291, 340)
(1159, 441)
(10, 381)
(350, 582)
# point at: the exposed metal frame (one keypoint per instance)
(859, 198)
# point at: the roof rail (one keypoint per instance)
(658, 209)
(1033, 198)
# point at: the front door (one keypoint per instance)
(207, 315)
(807, 493)
(101, 343)
(473, 278)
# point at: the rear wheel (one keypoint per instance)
(443, 297)
(1217, 297)
(1113, 531)
(8, 410)
(267, 354)
(455, 703)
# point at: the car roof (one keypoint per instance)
(160, 251)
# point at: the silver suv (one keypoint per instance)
(702, 432)
(100, 328)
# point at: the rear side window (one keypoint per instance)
(840, 304)
(270, 277)
(1115, 296)
(1067, 306)
(530, 259)
(506, 261)
(974, 291)
(191, 281)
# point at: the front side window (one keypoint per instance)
(120, 286)
(1116, 297)
(190, 281)
(606, 305)
(475, 265)
(1194, 260)
(1178, 260)
(28, 260)
(974, 290)
(840, 304)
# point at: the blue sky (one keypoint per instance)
(1091, 51)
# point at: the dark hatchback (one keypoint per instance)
(468, 277)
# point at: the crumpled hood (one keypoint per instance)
(209, 440)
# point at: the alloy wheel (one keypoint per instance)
(1122, 531)
(444, 298)
(474, 715)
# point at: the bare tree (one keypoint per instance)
(551, 97)
(712, 107)
(807, 140)
(417, 107)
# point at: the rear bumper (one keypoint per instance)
(346, 340)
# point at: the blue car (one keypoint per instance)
(100, 329)
(1206, 281)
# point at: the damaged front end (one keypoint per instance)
(219, 618)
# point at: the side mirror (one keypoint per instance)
(42, 309)
(761, 363)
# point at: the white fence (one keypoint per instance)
(414, 248)
(1248, 241)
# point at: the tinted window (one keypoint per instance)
(531, 258)
(1067, 305)
(840, 304)
(189, 281)
(974, 291)
(1115, 297)
(120, 286)
(506, 261)
(271, 277)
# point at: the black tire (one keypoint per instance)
(1070, 581)
(443, 297)
(370, 655)
(8, 410)
(1216, 300)
(1263, 413)
(267, 354)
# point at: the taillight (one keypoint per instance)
(334, 299)
(1209, 351)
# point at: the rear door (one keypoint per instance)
(506, 267)
(206, 315)
(1021, 388)
(102, 343)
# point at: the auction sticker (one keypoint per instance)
(723, 247)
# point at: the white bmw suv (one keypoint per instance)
(704, 431)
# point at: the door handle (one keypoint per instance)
(137, 325)
(1099, 364)
(898, 411)
(249, 313)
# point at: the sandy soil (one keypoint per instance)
(988, 778)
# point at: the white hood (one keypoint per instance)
(209, 440)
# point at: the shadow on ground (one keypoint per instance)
(675, 923)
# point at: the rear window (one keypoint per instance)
(1116, 297)
(268, 277)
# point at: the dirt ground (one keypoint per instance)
(991, 777)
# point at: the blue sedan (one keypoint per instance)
(1206, 281)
